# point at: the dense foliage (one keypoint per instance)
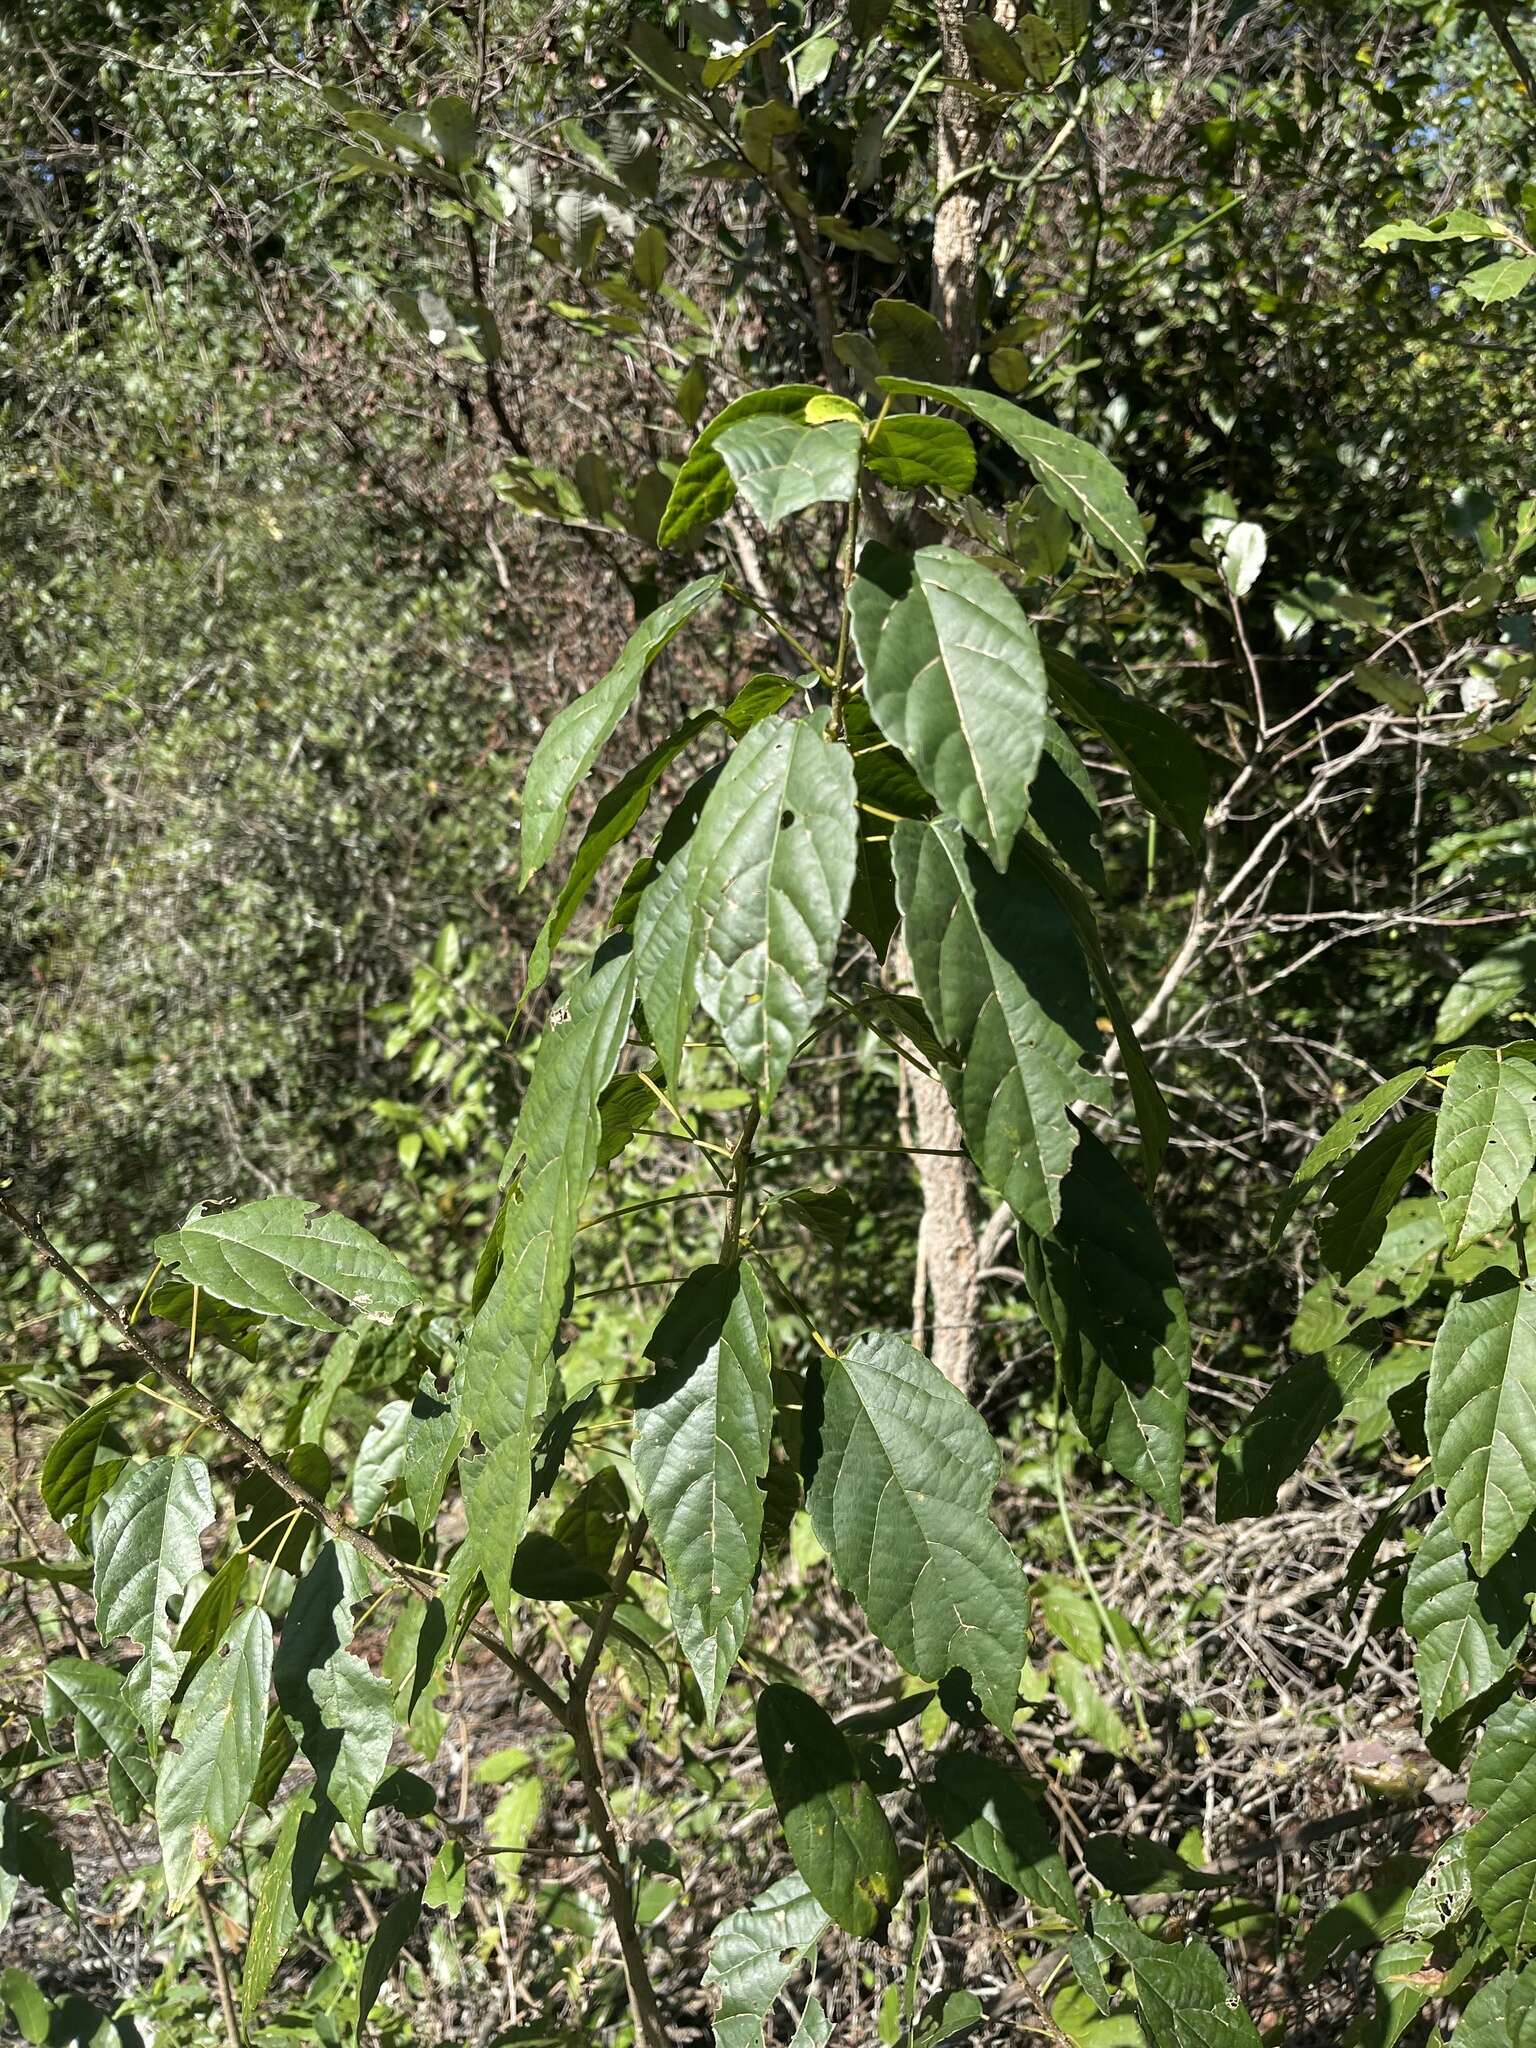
(746, 745)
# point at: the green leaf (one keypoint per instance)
(839, 1838)
(768, 876)
(350, 1748)
(1338, 1139)
(1182, 1990)
(277, 1913)
(828, 1212)
(648, 258)
(754, 1952)
(1467, 1632)
(913, 450)
(1071, 473)
(994, 1816)
(189, 1308)
(244, 1257)
(996, 56)
(380, 1458)
(1456, 226)
(758, 698)
(451, 121)
(1169, 770)
(1501, 2014)
(394, 1930)
(576, 734)
(1105, 1288)
(1362, 1197)
(28, 2007)
(31, 1852)
(208, 1774)
(1495, 982)
(1505, 278)
(1485, 1143)
(703, 1425)
(1086, 1707)
(1273, 1441)
(703, 487)
(955, 680)
(82, 1463)
(203, 1629)
(105, 1726)
(1481, 1414)
(270, 1526)
(781, 466)
(507, 1359)
(1000, 972)
(1241, 551)
(900, 1501)
(666, 938)
(616, 816)
(1132, 1864)
(146, 1541)
(1501, 1847)
(1064, 808)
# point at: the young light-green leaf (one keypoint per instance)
(768, 877)
(900, 1501)
(839, 1837)
(245, 1256)
(577, 733)
(703, 1425)
(954, 679)
(781, 466)
(1485, 1143)
(1481, 1415)
(146, 1541)
(207, 1776)
(1002, 975)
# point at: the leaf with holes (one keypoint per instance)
(1485, 1143)
(1481, 1415)
(207, 1777)
(753, 1953)
(900, 1501)
(703, 1423)
(246, 1256)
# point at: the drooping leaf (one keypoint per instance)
(781, 466)
(1072, 473)
(277, 1913)
(703, 487)
(1467, 1632)
(1105, 1288)
(206, 1778)
(1337, 1140)
(190, 1309)
(1064, 809)
(105, 1726)
(1000, 971)
(1485, 1143)
(992, 1816)
(703, 1426)
(506, 1365)
(900, 1501)
(955, 680)
(395, 1928)
(1364, 1193)
(145, 1537)
(1169, 770)
(270, 1526)
(839, 1837)
(574, 737)
(1501, 1847)
(754, 1952)
(1481, 1415)
(82, 1462)
(245, 1257)
(1274, 1440)
(1493, 983)
(769, 870)
(915, 450)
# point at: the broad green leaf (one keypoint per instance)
(1001, 974)
(105, 1726)
(703, 1425)
(1456, 226)
(995, 1818)
(1481, 1414)
(350, 1748)
(1169, 770)
(955, 680)
(190, 1309)
(1503, 2014)
(1105, 1288)
(1501, 1847)
(380, 1459)
(1338, 1139)
(754, 1952)
(758, 698)
(1467, 1632)
(781, 466)
(276, 1915)
(1182, 1990)
(1273, 1442)
(1485, 1143)
(1496, 982)
(900, 1501)
(394, 1930)
(245, 1256)
(703, 488)
(146, 1541)
(1130, 1865)
(1241, 550)
(431, 1445)
(1363, 1195)
(1505, 278)
(1086, 1707)
(616, 816)
(577, 733)
(82, 1462)
(208, 1773)
(507, 1358)
(32, 1852)
(204, 1628)
(769, 871)
(666, 938)
(451, 124)
(839, 1838)
(28, 2007)
(269, 1524)
(913, 450)
(1073, 474)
